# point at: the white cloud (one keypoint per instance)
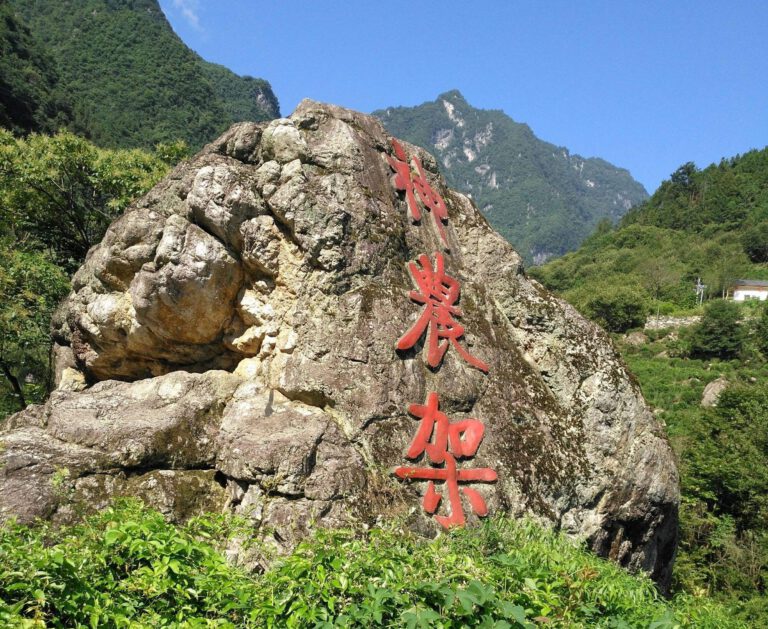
(188, 9)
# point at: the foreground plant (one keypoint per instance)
(128, 567)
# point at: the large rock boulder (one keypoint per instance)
(235, 334)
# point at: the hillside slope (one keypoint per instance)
(132, 81)
(710, 223)
(30, 96)
(539, 196)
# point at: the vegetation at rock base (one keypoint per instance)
(128, 567)
(58, 195)
(541, 198)
(131, 82)
(704, 224)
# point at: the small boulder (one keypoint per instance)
(636, 338)
(713, 391)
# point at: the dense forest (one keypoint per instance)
(541, 198)
(129, 80)
(31, 97)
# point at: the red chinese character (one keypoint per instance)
(452, 440)
(406, 181)
(438, 292)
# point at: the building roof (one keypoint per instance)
(751, 283)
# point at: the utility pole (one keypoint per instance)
(700, 290)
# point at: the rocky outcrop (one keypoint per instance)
(236, 331)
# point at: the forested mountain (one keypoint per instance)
(31, 98)
(542, 198)
(131, 81)
(710, 223)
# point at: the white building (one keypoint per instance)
(744, 290)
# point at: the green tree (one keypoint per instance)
(719, 333)
(761, 330)
(755, 242)
(685, 176)
(31, 286)
(63, 191)
(725, 481)
(616, 308)
(659, 275)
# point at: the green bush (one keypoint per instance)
(616, 308)
(723, 463)
(729, 464)
(719, 333)
(128, 567)
(725, 511)
(124, 567)
(62, 191)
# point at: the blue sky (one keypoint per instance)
(646, 85)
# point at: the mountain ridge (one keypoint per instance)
(530, 190)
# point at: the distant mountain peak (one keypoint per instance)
(455, 96)
(541, 197)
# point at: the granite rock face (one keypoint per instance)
(231, 345)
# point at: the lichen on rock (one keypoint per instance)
(236, 329)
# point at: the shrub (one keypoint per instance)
(616, 308)
(719, 333)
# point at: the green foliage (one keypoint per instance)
(723, 454)
(719, 332)
(544, 200)
(58, 195)
(729, 466)
(725, 510)
(243, 97)
(755, 242)
(128, 567)
(63, 192)
(761, 330)
(132, 81)
(123, 567)
(616, 308)
(30, 288)
(30, 97)
(701, 223)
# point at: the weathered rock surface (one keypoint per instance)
(237, 328)
(712, 392)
